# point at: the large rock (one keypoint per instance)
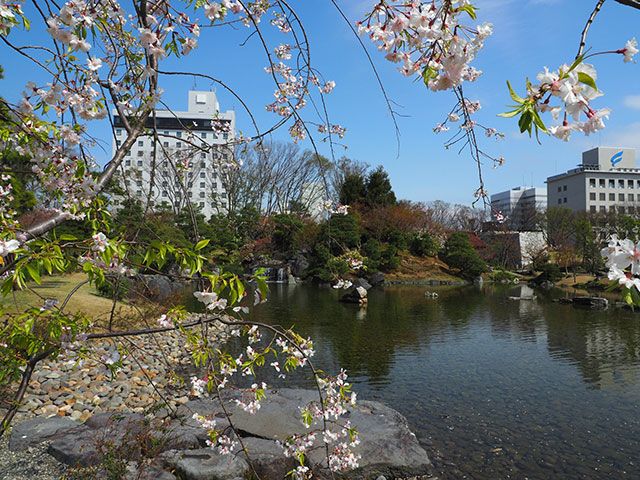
(356, 295)
(387, 446)
(157, 287)
(590, 302)
(299, 265)
(377, 279)
(361, 282)
(38, 430)
(206, 464)
(79, 448)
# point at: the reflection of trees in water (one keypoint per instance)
(604, 345)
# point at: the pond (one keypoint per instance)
(493, 387)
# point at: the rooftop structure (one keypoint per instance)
(519, 205)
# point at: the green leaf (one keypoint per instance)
(510, 114)
(514, 96)
(587, 80)
(67, 238)
(201, 244)
(33, 272)
(471, 11)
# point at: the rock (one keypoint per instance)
(377, 279)
(590, 302)
(387, 445)
(299, 265)
(76, 448)
(157, 287)
(205, 464)
(147, 472)
(478, 281)
(356, 295)
(547, 285)
(361, 282)
(267, 458)
(33, 432)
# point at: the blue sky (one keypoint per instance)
(528, 35)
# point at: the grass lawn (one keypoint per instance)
(84, 300)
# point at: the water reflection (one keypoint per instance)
(494, 387)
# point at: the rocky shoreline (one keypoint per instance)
(80, 416)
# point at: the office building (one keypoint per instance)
(519, 205)
(606, 179)
(179, 160)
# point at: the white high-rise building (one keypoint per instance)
(182, 162)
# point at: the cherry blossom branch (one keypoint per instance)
(583, 38)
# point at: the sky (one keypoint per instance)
(528, 35)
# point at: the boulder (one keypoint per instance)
(206, 464)
(361, 282)
(157, 287)
(590, 302)
(356, 295)
(299, 265)
(38, 430)
(387, 446)
(377, 279)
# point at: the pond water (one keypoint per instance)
(493, 387)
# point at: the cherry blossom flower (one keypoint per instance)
(8, 246)
(629, 50)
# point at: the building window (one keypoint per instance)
(201, 195)
(138, 192)
(138, 183)
(565, 199)
(215, 184)
(127, 163)
(179, 134)
(201, 204)
(603, 197)
(128, 154)
(118, 142)
(203, 155)
(601, 183)
(592, 182)
(612, 184)
(165, 144)
(620, 183)
(631, 197)
(224, 157)
(141, 143)
(164, 184)
(178, 144)
(603, 208)
(166, 132)
(629, 183)
(118, 131)
(592, 208)
(225, 136)
(164, 193)
(189, 194)
(612, 197)
(190, 184)
(620, 209)
(201, 174)
(621, 197)
(204, 134)
(140, 153)
(201, 184)
(637, 183)
(564, 187)
(592, 196)
(202, 164)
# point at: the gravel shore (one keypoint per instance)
(146, 383)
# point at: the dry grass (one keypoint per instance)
(420, 268)
(85, 300)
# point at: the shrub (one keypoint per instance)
(549, 272)
(423, 245)
(458, 252)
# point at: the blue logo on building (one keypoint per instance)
(616, 158)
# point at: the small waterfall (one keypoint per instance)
(282, 275)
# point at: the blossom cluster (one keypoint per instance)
(428, 39)
(621, 255)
